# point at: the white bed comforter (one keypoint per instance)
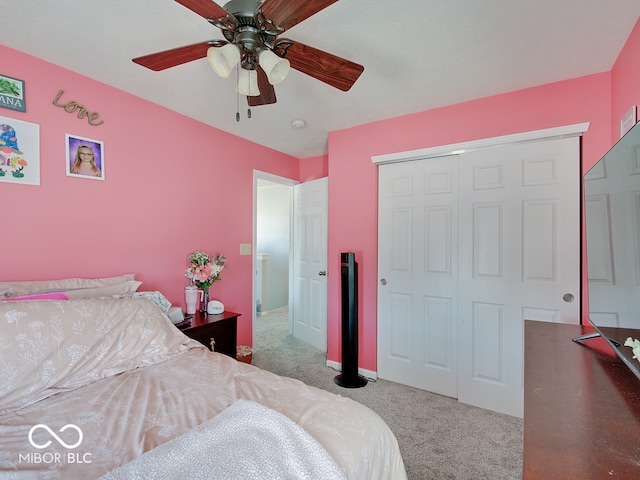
(246, 441)
(129, 381)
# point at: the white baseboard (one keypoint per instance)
(369, 374)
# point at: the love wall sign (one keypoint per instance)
(72, 107)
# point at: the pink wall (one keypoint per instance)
(584, 99)
(601, 99)
(312, 168)
(172, 185)
(149, 214)
(625, 78)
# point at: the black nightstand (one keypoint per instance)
(222, 329)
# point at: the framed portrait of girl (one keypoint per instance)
(85, 157)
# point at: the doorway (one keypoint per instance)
(290, 255)
(272, 253)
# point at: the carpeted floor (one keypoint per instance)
(439, 437)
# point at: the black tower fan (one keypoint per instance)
(349, 377)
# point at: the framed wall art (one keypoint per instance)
(85, 157)
(19, 151)
(12, 94)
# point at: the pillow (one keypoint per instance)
(39, 296)
(118, 289)
(53, 346)
(156, 297)
(44, 286)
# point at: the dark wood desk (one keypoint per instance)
(581, 407)
(221, 328)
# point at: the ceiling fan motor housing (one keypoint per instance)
(239, 8)
(248, 36)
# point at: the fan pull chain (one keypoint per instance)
(238, 111)
(237, 96)
(238, 99)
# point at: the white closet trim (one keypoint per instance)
(457, 148)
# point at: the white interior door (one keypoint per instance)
(469, 247)
(309, 285)
(417, 242)
(520, 260)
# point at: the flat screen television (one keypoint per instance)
(612, 226)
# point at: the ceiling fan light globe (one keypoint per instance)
(276, 68)
(223, 60)
(248, 83)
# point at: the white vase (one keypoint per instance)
(191, 296)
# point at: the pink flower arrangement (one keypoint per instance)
(203, 269)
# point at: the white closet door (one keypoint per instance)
(469, 247)
(417, 304)
(520, 260)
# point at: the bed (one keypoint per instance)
(97, 382)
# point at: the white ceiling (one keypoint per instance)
(417, 55)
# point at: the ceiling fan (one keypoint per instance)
(251, 29)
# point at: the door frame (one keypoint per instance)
(573, 130)
(270, 177)
(566, 131)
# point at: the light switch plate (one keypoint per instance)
(245, 249)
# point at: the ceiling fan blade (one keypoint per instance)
(205, 8)
(327, 68)
(287, 13)
(267, 92)
(177, 56)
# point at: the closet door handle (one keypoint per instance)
(323, 273)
